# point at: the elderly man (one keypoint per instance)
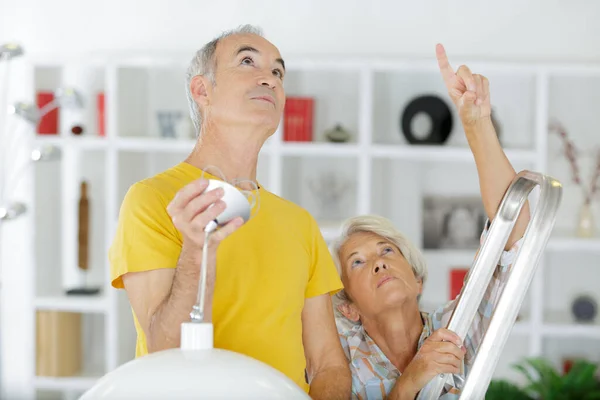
(270, 282)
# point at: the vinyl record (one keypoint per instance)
(431, 111)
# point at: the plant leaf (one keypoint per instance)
(502, 389)
(550, 379)
(592, 396)
(581, 376)
(546, 383)
(521, 368)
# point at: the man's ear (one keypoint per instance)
(200, 87)
(349, 311)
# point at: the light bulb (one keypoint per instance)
(10, 50)
(12, 211)
(45, 153)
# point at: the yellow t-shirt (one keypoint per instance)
(265, 270)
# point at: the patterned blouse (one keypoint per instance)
(374, 376)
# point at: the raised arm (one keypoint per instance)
(471, 95)
(163, 298)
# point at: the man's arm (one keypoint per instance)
(328, 371)
(162, 299)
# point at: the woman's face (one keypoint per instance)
(376, 276)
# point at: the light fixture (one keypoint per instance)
(26, 111)
(10, 50)
(45, 152)
(197, 370)
(66, 97)
(63, 97)
(21, 134)
(12, 211)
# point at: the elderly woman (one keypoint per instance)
(393, 348)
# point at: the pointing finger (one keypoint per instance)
(445, 68)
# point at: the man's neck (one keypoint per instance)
(234, 154)
(397, 334)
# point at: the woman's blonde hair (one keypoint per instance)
(383, 227)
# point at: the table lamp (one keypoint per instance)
(197, 370)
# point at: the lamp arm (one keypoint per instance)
(14, 179)
(9, 158)
(197, 314)
(3, 111)
(11, 149)
(48, 108)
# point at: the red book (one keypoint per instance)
(100, 116)
(298, 119)
(48, 124)
(457, 278)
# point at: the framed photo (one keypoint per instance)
(452, 222)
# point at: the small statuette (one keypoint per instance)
(338, 134)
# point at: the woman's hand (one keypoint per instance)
(469, 92)
(441, 353)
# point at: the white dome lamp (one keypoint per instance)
(197, 370)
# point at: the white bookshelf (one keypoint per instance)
(367, 96)
(571, 244)
(74, 383)
(83, 304)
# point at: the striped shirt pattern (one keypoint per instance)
(374, 376)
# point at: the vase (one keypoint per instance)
(585, 226)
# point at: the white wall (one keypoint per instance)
(508, 29)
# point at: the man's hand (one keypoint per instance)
(163, 298)
(441, 353)
(193, 208)
(469, 92)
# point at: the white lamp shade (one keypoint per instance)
(200, 373)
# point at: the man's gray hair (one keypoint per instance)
(204, 63)
(383, 227)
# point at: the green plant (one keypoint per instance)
(544, 382)
(502, 390)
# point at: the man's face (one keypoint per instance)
(248, 87)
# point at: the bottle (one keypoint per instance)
(83, 227)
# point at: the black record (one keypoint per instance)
(439, 115)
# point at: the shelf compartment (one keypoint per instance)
(310, 181)
(336, 99)
(393, 91)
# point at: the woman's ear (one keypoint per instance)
(420, 286)
(349, 311)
